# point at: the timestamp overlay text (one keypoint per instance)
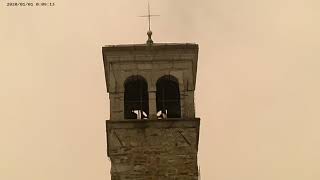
(30, 4)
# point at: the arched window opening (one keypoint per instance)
(136, 104)
(168, 98)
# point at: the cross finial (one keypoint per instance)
(149, 33)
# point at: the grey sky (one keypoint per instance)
(257, 88)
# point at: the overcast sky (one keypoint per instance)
(257, 91)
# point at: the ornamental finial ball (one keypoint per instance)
(149, 41)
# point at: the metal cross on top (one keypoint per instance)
(149, 41)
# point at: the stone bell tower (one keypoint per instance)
(152, 133)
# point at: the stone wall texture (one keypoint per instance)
(153, 149)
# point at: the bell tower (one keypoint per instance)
(152, 133)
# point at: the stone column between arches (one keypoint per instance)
(152, 105)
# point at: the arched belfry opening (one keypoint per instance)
(168, 97)
(136, 101)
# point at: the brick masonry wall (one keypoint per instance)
(153, 149)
